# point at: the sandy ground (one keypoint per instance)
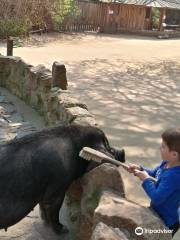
(131, 85)
(81, 47)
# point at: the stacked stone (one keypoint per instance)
(45, 92)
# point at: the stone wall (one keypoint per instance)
(41, 89)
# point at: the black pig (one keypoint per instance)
(38, 168)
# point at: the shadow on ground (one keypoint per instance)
(133, 103)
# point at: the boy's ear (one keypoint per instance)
(175, 154)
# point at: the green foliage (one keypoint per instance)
(17, 19)
(155, 17)
(62, 10)
(13, 27)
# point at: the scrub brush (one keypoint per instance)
(97, 156)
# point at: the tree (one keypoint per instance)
(61, 10)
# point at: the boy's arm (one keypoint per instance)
(165, 188)
(151, 172)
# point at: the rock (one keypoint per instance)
(85, 121)
(3, 122)
(118, 212)
(25, 129)
(41, 70)
(92, 184)
(59, 78)
(103, 176)
(54, 89)
(2, 99)
(37, 83)
(2, 111)
(75, 191)
(10, 108)
(69, 114)
(103, 232)
(68, 101)
(61, 106)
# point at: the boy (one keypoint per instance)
(165, 191)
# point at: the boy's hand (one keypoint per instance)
(142, 175)
(132, 167)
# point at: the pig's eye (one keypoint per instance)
(112, 150)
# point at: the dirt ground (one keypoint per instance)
(81, 47)
(131, 84)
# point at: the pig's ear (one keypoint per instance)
(122, 155)
(119, 154)
(92, 165)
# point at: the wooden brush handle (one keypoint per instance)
(115, 162)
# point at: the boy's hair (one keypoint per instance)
(172, 138)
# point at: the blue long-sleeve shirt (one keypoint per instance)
(165, 193)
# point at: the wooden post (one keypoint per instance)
(162, 19)
(9, 46)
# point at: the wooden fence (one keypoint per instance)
(106, 17)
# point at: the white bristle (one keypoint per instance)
(90, 154)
